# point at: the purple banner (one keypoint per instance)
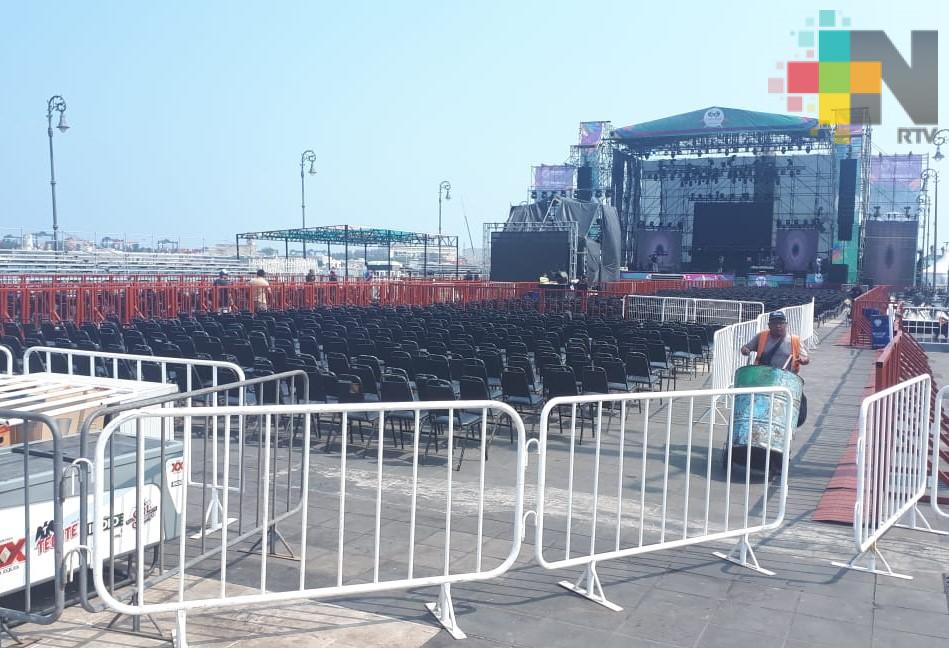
(556, 177)
(591, 133)
(898, 169)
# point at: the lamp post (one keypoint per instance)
(927, 175)
(308, 156)
(922, 208)
(445, 187)
(55, 104)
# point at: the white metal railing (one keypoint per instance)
(689, 309)
(923, 323)
(8, 358)
(727, 341)
(892, 468)
(659, 479)
(937, 461)
(411, 493)
(136, 366)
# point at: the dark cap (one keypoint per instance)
(777, 316)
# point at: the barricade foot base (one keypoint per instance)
(588, 586)
(871, 566)
(214, 528)
(752, 566)
(912, 514)
(745, 557)
(580, 591)
(444, 612)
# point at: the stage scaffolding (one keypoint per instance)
(348, 235)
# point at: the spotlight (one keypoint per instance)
(534, 195)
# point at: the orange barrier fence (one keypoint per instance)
(903, 358)
(93, 298)
(877, 298)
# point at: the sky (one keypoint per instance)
(188, 119)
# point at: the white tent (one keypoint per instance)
(942, 271)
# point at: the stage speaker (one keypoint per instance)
(837, 274)
(889, 252)
(585, 183)
(846, 199)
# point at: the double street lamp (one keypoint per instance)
(307, 157)
(55, 104)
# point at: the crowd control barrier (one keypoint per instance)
(660, 480)
(338, 519)
(892, 469)
(190, 373)
(689, 310)
(32, 526)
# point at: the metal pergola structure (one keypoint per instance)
(348, 235)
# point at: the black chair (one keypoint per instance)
(639, 374)
(349, 390)
(397, 390)
(516, 392)
(441, 420)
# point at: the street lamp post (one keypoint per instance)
(55, 104)
(922, 209)
(308, 156)
(445, 187)
(927, 175)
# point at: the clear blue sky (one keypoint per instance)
(188, 118)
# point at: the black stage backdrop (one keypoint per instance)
(734, 230)
(525, 256)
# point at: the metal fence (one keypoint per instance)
(660, 479)
(32, 526)
(892, 468)
(926, 324)
(189, 373)
(337, 520)
(690, 310)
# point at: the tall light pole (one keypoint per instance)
(939, 138)
(922, 208)
(308, 156)
(55, 104)
(927, 175)
(445, 187)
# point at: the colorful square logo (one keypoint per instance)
(845, 71)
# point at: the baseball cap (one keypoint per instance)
(777, 316)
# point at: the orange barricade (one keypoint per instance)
(876, 298)
(94, 298)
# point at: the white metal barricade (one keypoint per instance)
(658, 478)
(940, 457)
(8, 358)
(722, 311)
(689, 310)
(67, 361)
(892, 462)
(923, 323)
(726, 351)
(429, 511)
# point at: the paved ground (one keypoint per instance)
(676, 597)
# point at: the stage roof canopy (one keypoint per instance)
(715, 121)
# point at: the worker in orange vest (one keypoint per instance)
(775, 347)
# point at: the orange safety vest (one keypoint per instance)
(795, 350)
